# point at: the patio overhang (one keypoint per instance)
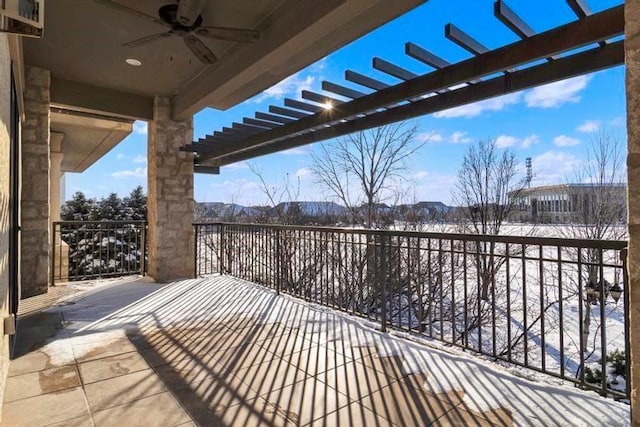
(87, 56)
(591, 43)
(86, 137)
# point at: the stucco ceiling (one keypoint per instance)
(82, 47)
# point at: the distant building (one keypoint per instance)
(566, 203)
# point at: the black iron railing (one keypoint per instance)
(83, 250)
(558, 306)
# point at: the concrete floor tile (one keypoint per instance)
(287, 344)
(123, 389)
(306, 401)
(112, 366)
(355, 380)
(237, 358)
(84, 421)
(42, 382)
(460, 416)
(316, 360)
(388, 365)
(255, 412)
(405, 404)
(351, 415)
(270, 376)
(99, 349)
(217, 341)
(45, 409)
(35, 361)
(158, 410)
(154, 358)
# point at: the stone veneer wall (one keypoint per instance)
(632, 59)
(35, 235)
(5, 168)
(170, 196)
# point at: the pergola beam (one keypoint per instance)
(582, 63)
(261, 123)
(464, 40)
(510, 19)
(424, 56)
(342, 90)
(580, 8)
(287, 112)
(319, 98)
(299, 105)
(365, 81)
(273, 118)
(393, 69)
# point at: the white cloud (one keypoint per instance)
(557, 93)
(140, 159)
(120, 156)
(565, 141)
(291, 86)
(475, 109)
(137, 173)
(429, 137)
(297, 151)
(237, 166)
(303, 173)
(530, 140)
(241, 190)
(504, 141)
(554, 167)
(140, 127)
(590, 126)
(460, 137)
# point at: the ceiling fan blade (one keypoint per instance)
(189, 10)
(118, 6)
(200, 50)
(231, 34)
(146, 39)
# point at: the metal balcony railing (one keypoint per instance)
(557, 306)
(83, 250)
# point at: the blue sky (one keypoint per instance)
(551, 124)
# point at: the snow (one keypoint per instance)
(104, 314)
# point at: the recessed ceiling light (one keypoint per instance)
(133, 61)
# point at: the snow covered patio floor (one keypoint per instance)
(221, 351)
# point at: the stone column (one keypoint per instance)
(56, 175)
(170, 196)
(61, 253)
(632, 59)
(35, 235)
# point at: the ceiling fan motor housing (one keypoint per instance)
(169, 14)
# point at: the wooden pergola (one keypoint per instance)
(594, 41)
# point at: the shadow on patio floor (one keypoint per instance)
(220, 351)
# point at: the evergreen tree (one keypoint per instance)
(110, 208)
(136, 205)
(79, 208)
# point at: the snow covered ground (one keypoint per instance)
(109, 312)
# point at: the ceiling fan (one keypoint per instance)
(184, 20)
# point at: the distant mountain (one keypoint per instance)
(315, 208)
(225, 210)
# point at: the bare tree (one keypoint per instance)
(598, 202)
(360, 169)
(488, 182)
